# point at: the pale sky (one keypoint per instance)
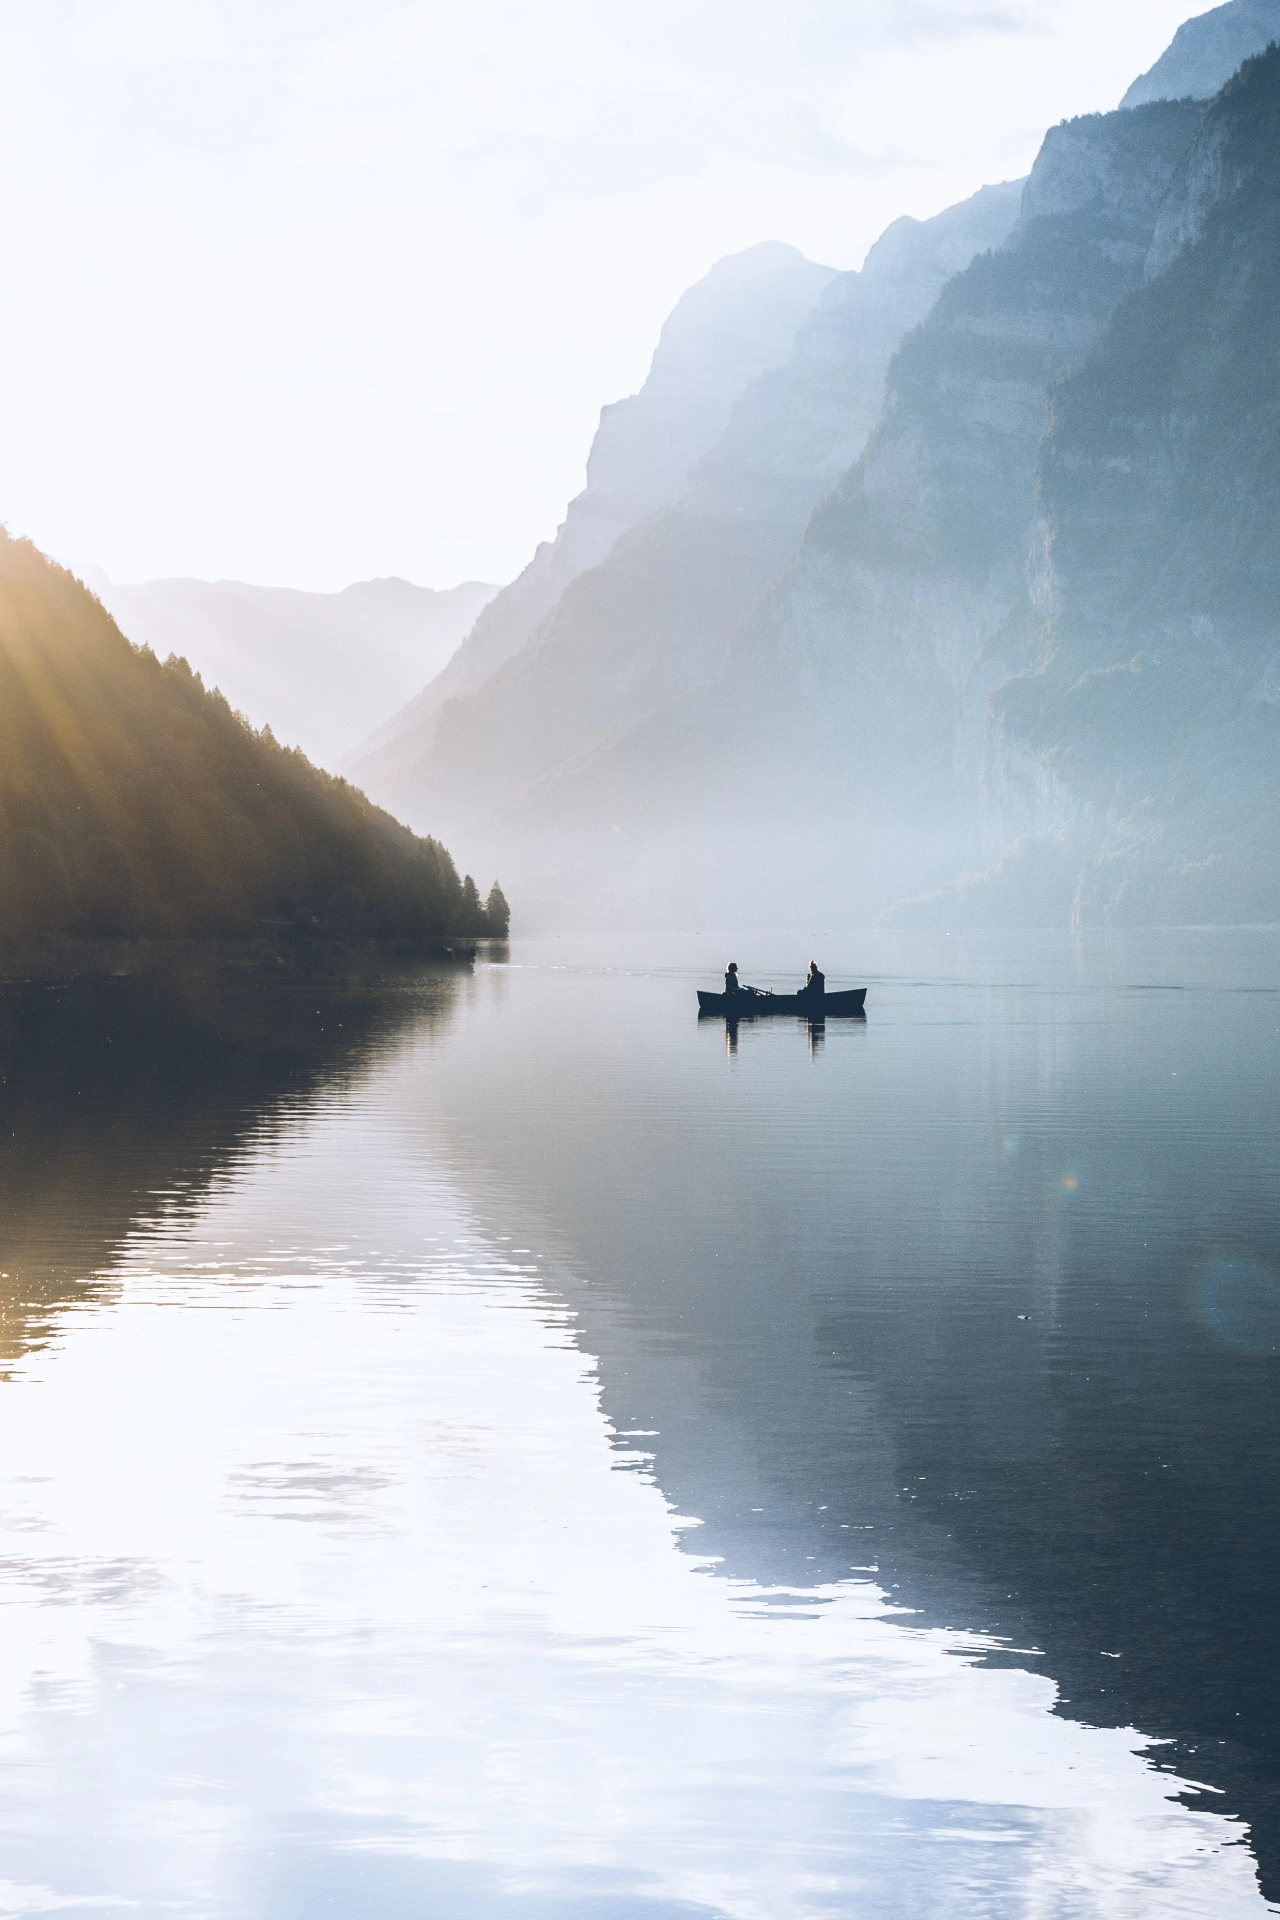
(307, 291)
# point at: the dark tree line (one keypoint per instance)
(134, 802)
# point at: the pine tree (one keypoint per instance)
(471, 913)
(497, 912)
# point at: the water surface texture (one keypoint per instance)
(490, 1444)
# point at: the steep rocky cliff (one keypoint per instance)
(848, 733)
(1206, 51)
(655, 617)
(947, 671)
(738, 321)
(1145, 750)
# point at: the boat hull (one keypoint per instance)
(749, 1006)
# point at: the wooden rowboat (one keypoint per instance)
(748, 1006)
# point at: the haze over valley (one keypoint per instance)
(819, 681)
(640, 960)
(846, 622)
(321, 669)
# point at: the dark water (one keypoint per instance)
(495, 1445)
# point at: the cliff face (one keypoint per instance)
(1025, 637)
(849, 727)
(1206, 51)
(654, 619)
(909, 598)
(735, 323)
(1147, 745)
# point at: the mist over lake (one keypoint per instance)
(547, 1460)
(640, 961)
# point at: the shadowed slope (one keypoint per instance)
(134, 804)
(1145, 752)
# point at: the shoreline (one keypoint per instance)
(273, 955)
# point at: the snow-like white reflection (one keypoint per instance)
(327, 1589)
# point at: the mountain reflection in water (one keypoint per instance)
(120, 1099)
(385, 1356)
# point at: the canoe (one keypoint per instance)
(740, 1006)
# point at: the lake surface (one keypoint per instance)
(487, 1443)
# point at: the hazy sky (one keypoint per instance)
(304, 291)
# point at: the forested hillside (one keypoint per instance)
(135, 804)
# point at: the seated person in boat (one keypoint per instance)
(732, 984)
(816, 984)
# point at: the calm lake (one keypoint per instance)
(488, 1443)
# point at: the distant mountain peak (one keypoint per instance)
(739, 321)
(1206, 51)
(322, 668)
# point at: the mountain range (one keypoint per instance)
(1141, 752)
(963, 614)
(321, 669)
(737, 323)
(937, 592)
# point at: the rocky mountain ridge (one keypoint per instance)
(655, 617)
(1140, 757)
(847, 728)
(320, 668)
(828, 673)
(739, 320)
(1206, 51)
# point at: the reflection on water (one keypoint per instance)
(813, 1029)
(349, 1516)
(121, 1098)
